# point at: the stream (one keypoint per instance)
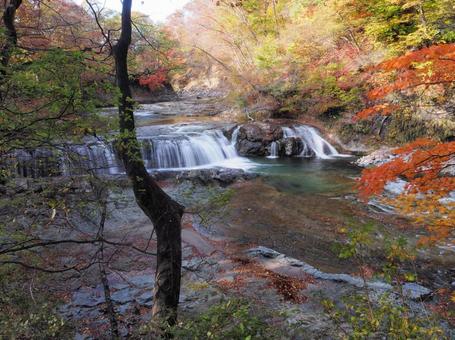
(296, 205)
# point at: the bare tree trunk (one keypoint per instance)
(165, 213)
(9, 15)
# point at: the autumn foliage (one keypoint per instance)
(154, 81)
(384, 109)
(425, 67)
(421, 164)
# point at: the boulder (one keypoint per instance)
(252, 132)
(449, 168)
(219, 176)
(229, 130)
(395, 188)
(378, 157)
(125, 295)
(415, 291)
(248, 148)
(291, 146)
(254, 139)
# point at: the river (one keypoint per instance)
(301, 206)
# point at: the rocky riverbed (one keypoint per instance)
(236, 245)
(267, 228)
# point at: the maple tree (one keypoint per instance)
(421, 163)
(154, 81)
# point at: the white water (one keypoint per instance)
(274, 151)
(190, 150)
(312, 141)
(98, 157)
(235, 136)
(171, 147)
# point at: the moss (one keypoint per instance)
(348, 131)
(220, 200)
(405, 127)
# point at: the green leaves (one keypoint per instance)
(49, 96)
(364, 317)
(232, 319)
(399, 25)
(358, 240)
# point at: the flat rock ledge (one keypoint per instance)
(378, 157)
(222, 176)
(282, 264)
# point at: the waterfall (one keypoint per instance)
(163, 147)
(187, 151)
(235, 136)
(313, 142)
(98, 157)
(33, 163)
(273, 151)
(178, 147)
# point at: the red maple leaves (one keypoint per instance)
(421, 163)
(154, 81)
(428, 66)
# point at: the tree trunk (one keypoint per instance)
(9, 15)
(165, 213)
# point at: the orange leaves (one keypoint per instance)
(288, 287)
(444, 52)
(421, 164)
(420, 143)
(428, 66)
(154, 81)
(373, 180)
(383, 109)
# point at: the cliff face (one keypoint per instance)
(418, 118)
(202, 79)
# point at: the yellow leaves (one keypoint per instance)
(342, 230)
(421, 163)
(410, 277)
(410, 4)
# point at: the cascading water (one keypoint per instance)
(98, 157)
(313, 142)
(34, 163)
(209, 148)
(235, 136)
(162, 148)
(171, 147)
(274, 150)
